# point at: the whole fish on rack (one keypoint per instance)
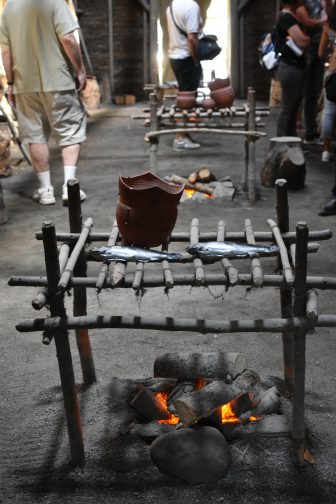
(215, 251)
(133, 254)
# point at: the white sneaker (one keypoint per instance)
(326, 157)
(44, 196)
(65, 194)
(185, 143)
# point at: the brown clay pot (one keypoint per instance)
(208, 104)
(147, 209)
(219, 84)
(186, 100)
(223, 97)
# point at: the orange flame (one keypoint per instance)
(190, 193)
(162, 397)
(229, 416)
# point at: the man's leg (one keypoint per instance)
(70, 155)
(41, 162)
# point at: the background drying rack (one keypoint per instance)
(164, 121)
(66, 269)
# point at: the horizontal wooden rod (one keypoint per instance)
(253, 135)
(260, 236)
(173, 324)
(151, 280)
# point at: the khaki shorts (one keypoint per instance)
(60, 115)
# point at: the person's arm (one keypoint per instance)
(73, 52)
(303, 16)
(300, 39)
(324, 42)
(7, 60)
(193, 46)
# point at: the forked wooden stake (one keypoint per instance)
(56, 299)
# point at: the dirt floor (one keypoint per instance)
(34, 451)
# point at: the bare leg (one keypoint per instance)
(40, 157)
(70, 155)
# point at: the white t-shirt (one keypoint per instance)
(188, 17)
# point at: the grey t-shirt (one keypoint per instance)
(31, 29)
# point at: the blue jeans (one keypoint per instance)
(328, 119)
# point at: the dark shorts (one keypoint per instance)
(188, 75)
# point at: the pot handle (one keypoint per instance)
(200, 93)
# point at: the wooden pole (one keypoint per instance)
(235, 43)
(80, 299)
(154, 16)
(3, 213)
(252, 168)
(299, 309)
(286, 300)
(57, 309)
(111, 45)
(170, 324)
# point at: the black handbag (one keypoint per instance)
(330, 87)
(208, 47)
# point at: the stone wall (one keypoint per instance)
(259, 18)
(128, 42)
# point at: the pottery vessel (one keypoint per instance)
(223, 97)
(208, 104)
(219, 84)
(147, 209)
(186, 100)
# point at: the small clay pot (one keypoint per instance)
(219, 84)
(147, 209)
(186, 100)
(223, 97)
(208, 104)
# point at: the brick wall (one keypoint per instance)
(128, 42)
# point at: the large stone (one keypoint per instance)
(198, 455)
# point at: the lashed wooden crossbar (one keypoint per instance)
(299, 306)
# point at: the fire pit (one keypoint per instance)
(66, 269)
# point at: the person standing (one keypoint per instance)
(312, 16)
(292, 44)
(184, 16)
(44, 66)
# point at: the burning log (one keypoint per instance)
(217, 365)
(176, 179)
(199, 455)
(182, 388)
(192, 407)
(268, 426)
(204, 175)
(243, 403)
(268, 403)
(148, 406)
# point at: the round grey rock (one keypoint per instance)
(195, 455)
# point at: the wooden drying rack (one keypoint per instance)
(66, 270)
(163, 121)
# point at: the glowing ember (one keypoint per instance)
(189, 193)
(229, 416)
(162, 397)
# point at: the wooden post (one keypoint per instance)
(3, 214)
(57, 309)
(235, 43)
(80, 299)
(111, 45)
(251, 170)
(286, 298)
(154, 124)
(247, 149)
(300, 301)
(154, 16)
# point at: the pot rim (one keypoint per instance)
(162, 185)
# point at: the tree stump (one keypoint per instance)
(285, 161)
(3, 213)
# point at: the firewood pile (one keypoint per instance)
(200, 404)
(203, 185)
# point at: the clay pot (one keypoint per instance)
(147, 209)
(219, 84)
(223, 97)
(208, 104)
(186, 100)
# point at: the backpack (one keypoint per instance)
(268, 49)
